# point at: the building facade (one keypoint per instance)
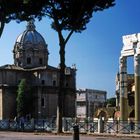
(88, 101)
(31, 63)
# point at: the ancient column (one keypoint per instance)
(117, 90)
(137, 86)
(123, 90)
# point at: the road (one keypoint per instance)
(36, 136)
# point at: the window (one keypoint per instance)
(19, 63)
(96, 96)
(67, 84)
(54, 83)
(28, 60)
(40, 61)
(42, 102)
(43, 82)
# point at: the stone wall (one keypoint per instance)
(9, 102)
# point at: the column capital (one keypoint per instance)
(123, 62)
(137, 64)
(136, 57)
(123, 59)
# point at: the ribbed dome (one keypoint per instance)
(30, 36)
(30, 48)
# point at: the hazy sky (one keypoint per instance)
(95, 51)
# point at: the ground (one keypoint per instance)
(45, 136)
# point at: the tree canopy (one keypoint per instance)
(69, 14)
(111, 102)
(19, 10)
(74, 14)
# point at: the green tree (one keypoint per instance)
(66, 15)
(19, 10)
(24, 99)
(111, 102)
(21, 98)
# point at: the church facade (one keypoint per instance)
(31, 63)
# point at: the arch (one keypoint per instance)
(102, 114)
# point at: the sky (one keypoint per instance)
(95, 51)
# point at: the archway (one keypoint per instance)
(102, 114)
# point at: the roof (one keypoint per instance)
(14, 67)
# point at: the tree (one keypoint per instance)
(66, 15)
(24, 98)
(19, 10)
(111, 102)
(21, 98)
(73, 16)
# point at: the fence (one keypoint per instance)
(32, 125)
(49, 125)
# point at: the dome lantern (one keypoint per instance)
(30, 25)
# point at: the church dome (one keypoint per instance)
(30, 36)
(30, 48)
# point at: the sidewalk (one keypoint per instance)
(93, 134)
(115, 135)
(70, 134)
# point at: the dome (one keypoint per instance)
(30, 36)
(30, 48)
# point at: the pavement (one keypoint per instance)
(95, 134)
(116, 135)
(8, 135)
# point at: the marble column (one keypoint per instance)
(117, 91)
(137, 86)
(123, 89)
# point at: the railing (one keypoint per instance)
(127, 127)
(40, 125)
(49, 125)
(84, 127)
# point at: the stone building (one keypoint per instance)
(88, 101)
(31, 63)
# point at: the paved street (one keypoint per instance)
(36, 136)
